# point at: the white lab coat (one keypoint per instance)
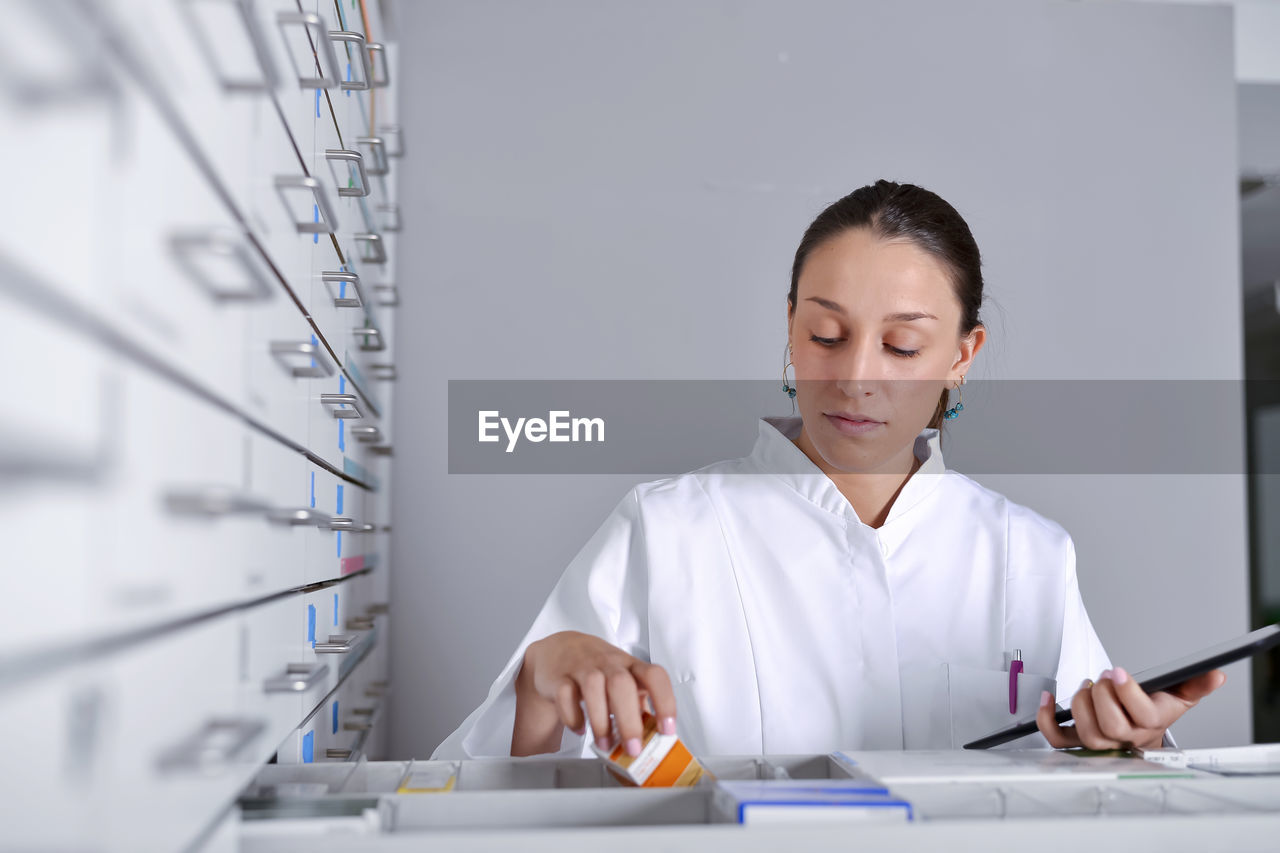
(787, 625)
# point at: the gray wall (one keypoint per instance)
(615, 190)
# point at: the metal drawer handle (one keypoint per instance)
(388, 295)
(358, 624)
(391, 217)
(364, 712)
(380, 608)
(212, 502)
(338, 644)
(211, 748)
(301, 517)
(205, 256)
(350, 525)
(378, 56)
(342, 155)
(366, 433)
(372, 336)
(378, 164)
(356, 725)
(341, 278)
(320, 365)
(393, 133)
(373, 691)
(337, 405)
(383, 372)
(372, 249)
(338, 754)
(326, 222)
(322, 49)
(297, 678)
(256, 40)
(381, 450)
(362, 53)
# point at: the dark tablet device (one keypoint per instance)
(1158, 678)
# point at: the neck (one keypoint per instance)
(872, 493)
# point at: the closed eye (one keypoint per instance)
(830, 342)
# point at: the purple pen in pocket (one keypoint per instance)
(1015, 668)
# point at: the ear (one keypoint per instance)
(791, 317)
(969, 346)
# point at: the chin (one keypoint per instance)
(847, 453)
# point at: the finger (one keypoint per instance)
(1087, 721)
(1113, 719)
(624, 702)
(1137, 704)
(1195, 689)
(1176, 701)
(567, 702)
(1059, 737)
(591, 684)
(657, 684)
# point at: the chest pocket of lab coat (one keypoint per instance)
(945, 706)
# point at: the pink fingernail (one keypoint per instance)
(603, 744)
(1119, 676)
(1106, 673)
(633, 746)
(667, 725)
(1045, 697)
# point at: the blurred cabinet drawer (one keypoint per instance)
(182, 276)
(341, 722)
(170, 525)
(280, 683)
(138, 749)
(336, 547)
(61, 123)
(284, 360)
(343, 427)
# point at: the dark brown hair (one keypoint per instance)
(905, 212)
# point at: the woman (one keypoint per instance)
(838, 588)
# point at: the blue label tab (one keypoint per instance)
(308, 747)
(335, 716)
(311, 625)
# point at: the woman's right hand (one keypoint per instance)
(571, 669)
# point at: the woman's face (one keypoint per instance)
(874, 333)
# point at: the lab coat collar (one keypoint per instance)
(775, 453)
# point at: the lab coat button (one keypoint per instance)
(884, 546)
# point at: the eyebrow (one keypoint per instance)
(901, 317)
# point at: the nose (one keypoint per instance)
(860, 369)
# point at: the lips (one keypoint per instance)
(854, 417)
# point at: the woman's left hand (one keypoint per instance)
(1114, 712)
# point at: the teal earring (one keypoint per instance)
(955, 410)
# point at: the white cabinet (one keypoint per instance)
(197, 520)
